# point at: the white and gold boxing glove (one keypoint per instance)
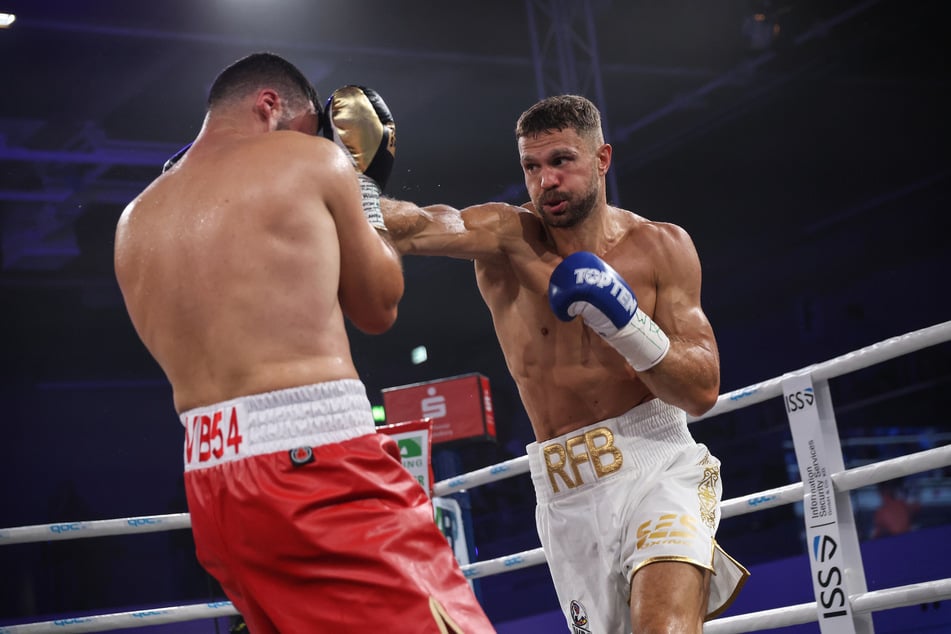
(360, 122)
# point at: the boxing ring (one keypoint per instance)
(842, 604)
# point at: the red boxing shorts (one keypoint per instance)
(309, 521)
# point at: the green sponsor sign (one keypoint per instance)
(410, 447)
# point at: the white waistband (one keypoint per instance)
(305, 416)
(638, 439)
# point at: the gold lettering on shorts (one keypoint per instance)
(596, 451)
(557, 467)
(593, 445)
(576, 458)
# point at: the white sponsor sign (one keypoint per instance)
(824, 540)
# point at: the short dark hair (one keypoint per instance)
(559, 113)
(261, 70)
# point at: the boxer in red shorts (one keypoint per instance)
(239, 266)
(338, 500)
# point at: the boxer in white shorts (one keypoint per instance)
(597, 310)
(619, 495)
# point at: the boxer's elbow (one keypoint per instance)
(376, 324)
(703, 396)
(701, 403)
(373, 319)
(377, 313)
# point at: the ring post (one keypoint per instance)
(835, 559)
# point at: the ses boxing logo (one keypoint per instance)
(829, 577)
(669, 528)
(800, 400)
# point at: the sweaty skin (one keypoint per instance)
(567, 375)
(239, 264)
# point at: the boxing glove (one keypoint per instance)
(175, 158)
(359, 121)
(584, 284)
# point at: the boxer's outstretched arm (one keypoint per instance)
(478, 232)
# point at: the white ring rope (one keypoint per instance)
(857, 360)
(95, 528)
(124, 620)
(803, 613)
(875, 601)
(847, 480)
(494, 473)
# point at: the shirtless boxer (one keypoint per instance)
(628, 502)
(239, 265)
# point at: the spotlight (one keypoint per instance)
(6, 19)
(419, 355)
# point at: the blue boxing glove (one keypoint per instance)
(584, 284)
(359, 121)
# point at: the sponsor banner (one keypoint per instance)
(460, 407)
(414, 440)
(448, 515)
(823, 535)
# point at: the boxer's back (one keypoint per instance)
(230, 266)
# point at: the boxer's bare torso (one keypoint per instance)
(230, 265)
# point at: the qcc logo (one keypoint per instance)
(514, 560)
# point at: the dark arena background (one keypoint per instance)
(803, 144)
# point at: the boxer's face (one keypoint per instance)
(562, 174)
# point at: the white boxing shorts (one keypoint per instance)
(618, 495)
